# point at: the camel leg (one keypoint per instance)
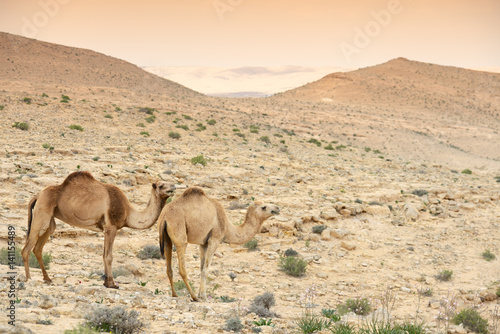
(40, 223)
(168, 258)
(208, 253)
(39, 247)
(109, 239)
(181, 251)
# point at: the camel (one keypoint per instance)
(84, 202)
(198, 219)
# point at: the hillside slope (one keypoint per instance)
(41, 63)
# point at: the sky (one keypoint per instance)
(344, 33)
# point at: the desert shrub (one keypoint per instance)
(27, 100)
(314, 141)
(114, 320)
(471, 320)
(329, 147)
(182, 126)
(254, 131)
(498, 292)
(427, 292)
(226, 299)
(419, 192)
(330, 314)
(261, 305)
(264, 322)
(211, 122)
(201, 127)
(75, 127)
(81, 329)
(293, 266)
(21, 126)
(174, 135)
(145, 133)
(147, 110)
(150, 119)
(359, 306)
(319, 228)
(187, 117)
(265, 139)
(2, 106)
(17, 260)
(108, 116)
(341, 147)
(343, 328)
(311, 323)
(149, 252)
(467, 171)
(233, 324)
(444, 275)
(121, 271)
(239, 134)
(141, 125)
(252, 244)
(291, 252)
(199, 159)
(488, 255)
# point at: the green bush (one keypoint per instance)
(187, 117)
(314, 141)
(174, 135)
(150, 119)
(147, 110)
(319, 228)
(180, 286)
(226, 299)
(81, 329)
(182, 126)
(471, 320)
(116, 320)
(141, 125)
(21, 126)
(199, 159)
(252, 244)
(359, 306)
(27, 100)
(265, 139)
(419, 192)
(329, 147)
(149, 252)
(293, 266)
(211, 122)
(291, 252)
(75, 127)
(444, 275)
(18, 259)
(2, 107)
(488, 255)
(311, 323)
(201, 127)
(330, 314)
(467, 171)
(108, 116)
(145, 133)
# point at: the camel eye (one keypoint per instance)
(263, 208)
(161, 187)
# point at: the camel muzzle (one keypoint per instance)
(275, 211)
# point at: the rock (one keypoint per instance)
(411, 211)
(488, 296)
(348, 247)
(435, 304)
(330, 215)
(378, 210)
(47, 302)
(274, 231)
(345, 212)
(326, 235)
(340, 233)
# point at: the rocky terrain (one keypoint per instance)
(395, 217)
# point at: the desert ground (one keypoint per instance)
(406, 190)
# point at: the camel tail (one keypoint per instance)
(164, 237)
(30, 213)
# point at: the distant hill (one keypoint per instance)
(29, 60)
(401, 82)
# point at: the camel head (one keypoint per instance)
(164, 190)
(265, 210)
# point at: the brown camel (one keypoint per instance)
(198, 219)
(84, 202)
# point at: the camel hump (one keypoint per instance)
(78, 176)
(193, 191)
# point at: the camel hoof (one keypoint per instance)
(47, 280)
(111, 285)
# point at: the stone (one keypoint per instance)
(378, 210)
(345, 212)
(348, 247)
(340, 233)
(47, 302)
(274, 231)
(330, 215)
(411, 211)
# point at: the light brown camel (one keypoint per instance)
(84, 202)
(198, 219)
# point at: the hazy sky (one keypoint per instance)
(347, 33)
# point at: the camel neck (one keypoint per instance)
(239, 234)
(145, 219)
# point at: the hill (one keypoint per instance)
(38, 63)
(401, 82)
